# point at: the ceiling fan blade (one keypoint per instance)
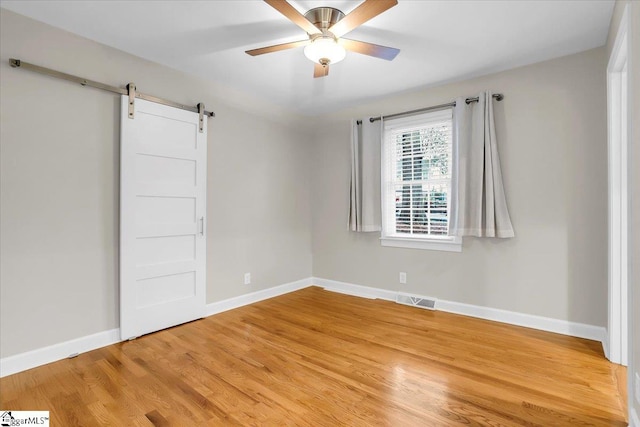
(320, 70)
(293, 15)
(382, 52)
(277, 47)
(361, 14)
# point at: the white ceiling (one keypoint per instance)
(440, 41)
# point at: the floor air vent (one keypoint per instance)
(415, 301)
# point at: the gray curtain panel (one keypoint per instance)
(364, 209)
(478, 202)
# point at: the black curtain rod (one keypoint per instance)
(497, 96)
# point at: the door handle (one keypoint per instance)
(202, 226)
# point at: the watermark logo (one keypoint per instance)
(24, 418)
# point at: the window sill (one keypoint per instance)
(453, 244)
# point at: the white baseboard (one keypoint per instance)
(31, 359)
(605, 343)
(548, 324)
(564, 327)
(634, 419)
(42, 356)
(354, 290)
(246, 299)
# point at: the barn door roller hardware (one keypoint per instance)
(130, 90)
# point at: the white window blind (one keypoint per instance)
(416, 180)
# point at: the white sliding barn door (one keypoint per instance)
(162, 218)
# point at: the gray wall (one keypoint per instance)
(634, 241)
(551, 128)
(59, 186)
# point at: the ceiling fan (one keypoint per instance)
(325, 27)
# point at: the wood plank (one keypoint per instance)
(314, 357)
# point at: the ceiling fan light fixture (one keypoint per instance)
(324, 50)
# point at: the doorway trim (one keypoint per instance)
(618, 195)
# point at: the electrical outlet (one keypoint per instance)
(403, 277)
(247, 278)
(637, 391)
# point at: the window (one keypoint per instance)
(416, 182)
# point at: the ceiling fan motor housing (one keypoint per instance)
(324, 17)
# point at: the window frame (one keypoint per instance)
(412, 241)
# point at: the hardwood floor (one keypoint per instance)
(316, 358)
